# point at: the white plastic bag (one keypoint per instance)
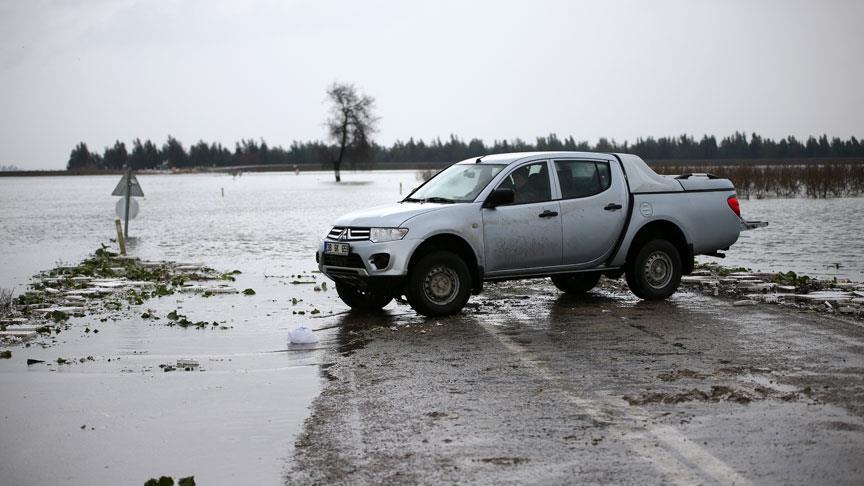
(302, 335)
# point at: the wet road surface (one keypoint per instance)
(532, 386)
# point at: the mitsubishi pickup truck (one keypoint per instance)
(571, 216)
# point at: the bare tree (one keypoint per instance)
(351, 123)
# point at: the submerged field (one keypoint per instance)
(268, 217)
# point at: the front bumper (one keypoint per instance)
(360, 264)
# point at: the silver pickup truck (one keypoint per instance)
(571, 216)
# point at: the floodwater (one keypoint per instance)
(267, 218)
(119, 419)
(816, 237)
(262, 219)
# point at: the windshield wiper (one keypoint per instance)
(413, 199)
(436, 199)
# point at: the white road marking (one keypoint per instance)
(680, 459)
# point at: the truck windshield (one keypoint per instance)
(457, 183)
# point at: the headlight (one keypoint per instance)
(380, 235)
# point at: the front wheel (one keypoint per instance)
(362, 299)
(439, 284)
(655, 272)
(576, 283)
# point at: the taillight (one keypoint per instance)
(733, 205)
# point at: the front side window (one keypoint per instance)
(530, 183)
(581, 178)
(457, 183)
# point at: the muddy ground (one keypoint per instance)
(530, 386)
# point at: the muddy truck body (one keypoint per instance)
(571, 216)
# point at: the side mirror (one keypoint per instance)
(500, 197)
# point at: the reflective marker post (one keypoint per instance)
(127, 188)
(128, 196)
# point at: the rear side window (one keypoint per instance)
(582, 178)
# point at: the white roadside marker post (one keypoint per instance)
(127, 208)
(128, 196)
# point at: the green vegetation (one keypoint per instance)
(177, 319)
(720, 270)
(249, 292)
(106, 264)
(169, 481)
(802, 282)
(5, 354)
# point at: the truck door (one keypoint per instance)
(527, 233)
(593, 208)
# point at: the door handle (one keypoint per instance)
(548, 214)
(613, 207)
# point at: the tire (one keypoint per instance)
(362, 300)
(439, 284)
(576, 283)
(655, 272)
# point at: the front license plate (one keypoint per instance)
(336, 248)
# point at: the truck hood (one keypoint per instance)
(388, 215)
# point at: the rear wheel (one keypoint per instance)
(439, 284)
(576, 283)
(362, 299)
(655, 271)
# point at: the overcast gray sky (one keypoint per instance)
(98, 71)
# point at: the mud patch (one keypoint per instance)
(844, 426)
(715, 394)
(505, 461)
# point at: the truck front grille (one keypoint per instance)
(352, 260)
(341, 233)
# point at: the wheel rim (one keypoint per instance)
(658, 270)
(441, 285)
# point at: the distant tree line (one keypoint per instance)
(172, 153)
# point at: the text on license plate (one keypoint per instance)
(336, 248)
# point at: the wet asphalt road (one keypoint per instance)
(529, 386)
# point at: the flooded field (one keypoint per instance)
(817, 237)
(234, 420)
(237, 418)
(268, 219)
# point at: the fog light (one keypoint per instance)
(380, 260)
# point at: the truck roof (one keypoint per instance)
(512, 157)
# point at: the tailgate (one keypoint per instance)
(710, 182)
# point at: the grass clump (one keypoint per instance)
(169, 481)
(6, 301)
